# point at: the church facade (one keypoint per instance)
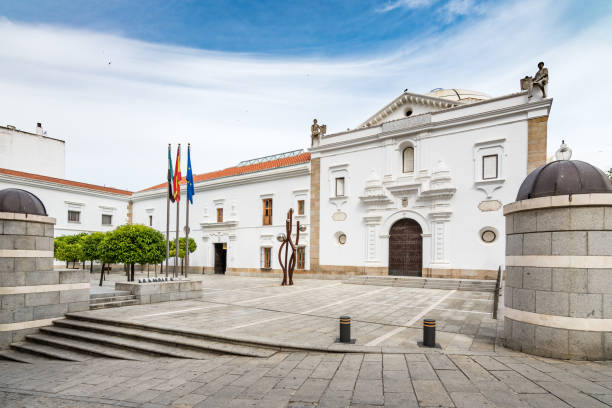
(417, 189)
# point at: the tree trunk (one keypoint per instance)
(102, 274)
(91, 266)
(84, 266)
(66, 264)
(182, 270)
(148, 270)
(162, 268)
(132, 268)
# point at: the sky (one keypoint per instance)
(118, 80)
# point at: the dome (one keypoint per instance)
(456, 94)
(14, 200)
(563, 177)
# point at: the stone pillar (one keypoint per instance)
(558, 288)
(536, 142)
(32, 293)
(315, 209)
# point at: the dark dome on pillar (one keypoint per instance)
(564, 177)
(15, 200)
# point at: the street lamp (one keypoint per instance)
(564, 152)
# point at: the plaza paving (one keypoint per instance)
(471, 370)
(307, 313)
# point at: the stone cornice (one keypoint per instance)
(427, 128)
(403, 99)
(574, 200)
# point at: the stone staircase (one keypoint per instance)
(79, 338)
(425, 283)
(117, 299)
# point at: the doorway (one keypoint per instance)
(220, 258)
(406, 248)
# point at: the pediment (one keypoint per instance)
(406, 105)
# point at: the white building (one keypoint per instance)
(237, 212)
(416, 189)
(77, 207)
(31, 152)
(422, 184)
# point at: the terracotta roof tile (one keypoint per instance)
(65, 182)
(234, 171)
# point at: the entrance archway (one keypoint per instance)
(406, 248)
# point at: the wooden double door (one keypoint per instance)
(406, 248)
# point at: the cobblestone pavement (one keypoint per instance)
(311, 380)
(471, 371)
(308, 313)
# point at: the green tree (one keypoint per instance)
(58, 249)
(610, 174)
(91, 246)
(69, 248)
(181, 254)
(192, 247)
(133, 244)
(107, 253)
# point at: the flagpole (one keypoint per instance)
(187, 212)
(178, 206)
(168, 215)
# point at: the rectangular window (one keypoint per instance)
(150, 220)
(107, 219)
(489, 167)
(74, 216)
(340, 187)
(301, 257)
(266, 258)
(219, 214)
(300, 207)
(267, 211)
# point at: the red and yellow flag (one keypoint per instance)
(177, 175)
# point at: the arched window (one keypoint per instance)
(408, 160)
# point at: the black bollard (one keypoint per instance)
(429, 332)
(345, 329)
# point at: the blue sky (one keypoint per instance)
(313, 27)
(244, 79)
(271, 27)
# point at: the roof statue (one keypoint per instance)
(540, 80)
(317, 131)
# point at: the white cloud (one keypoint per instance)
(456, 8)
(409, 4)
(117, 119)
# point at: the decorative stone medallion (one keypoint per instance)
(489, 205)
(339, 216)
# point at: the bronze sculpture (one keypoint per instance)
(288, 266)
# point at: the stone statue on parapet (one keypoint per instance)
(316, 132)
(539, 80)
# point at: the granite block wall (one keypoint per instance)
(32, 293)
(556, 301)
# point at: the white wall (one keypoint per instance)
(447, 211)
(58, 199)
(31, 153)
(241, 199)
